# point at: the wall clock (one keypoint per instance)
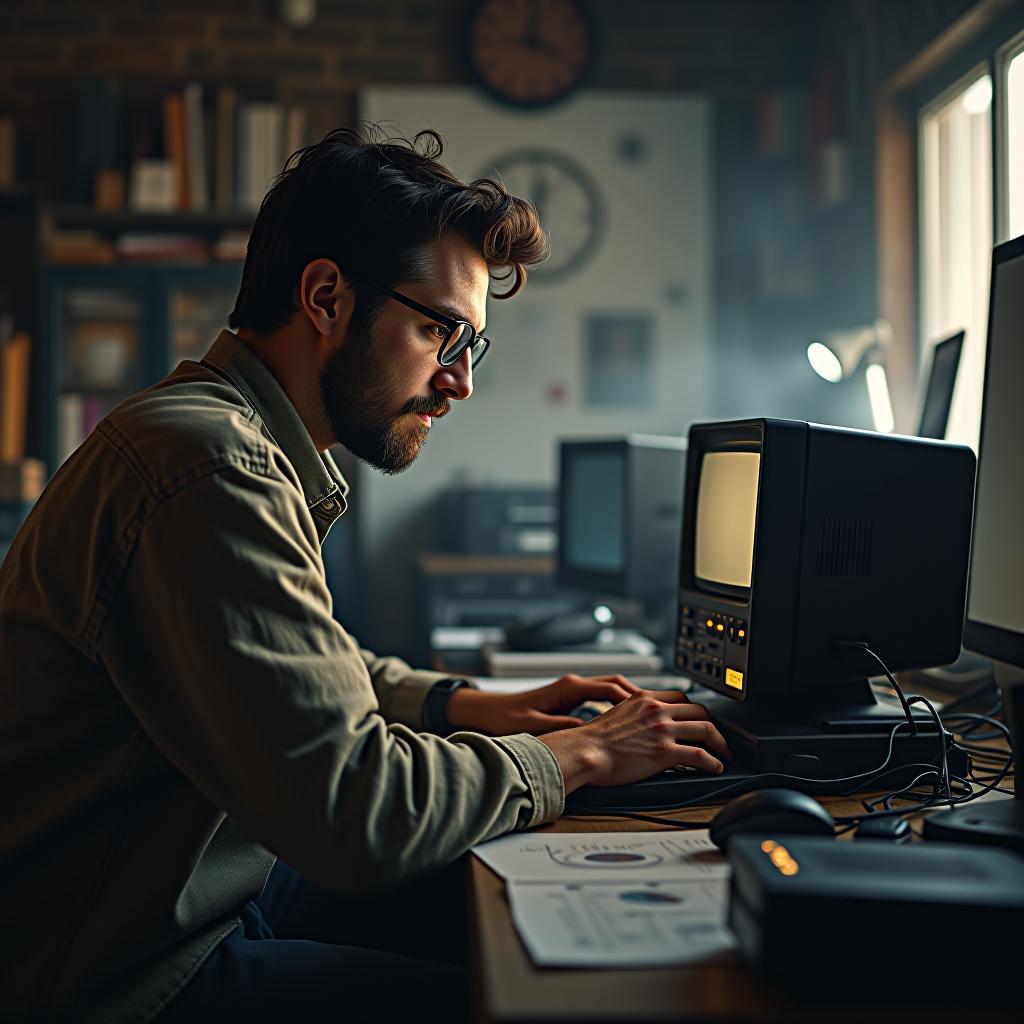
(530, 53)
(568, 202)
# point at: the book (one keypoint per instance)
(195, 146)
(175, 145)
(154, 185)
(139, 247)
(23, 480)
(70, 424)
(8, 152)
(85, 246)
(15, 353)
(618, 651)
(225, 137)
(295, 131)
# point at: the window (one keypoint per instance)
(1012, 142)
(955, 147)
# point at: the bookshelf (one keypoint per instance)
(109, 331)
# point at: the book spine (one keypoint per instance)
(225, 148)
(174, 144)
(14, 380)
(195, 146)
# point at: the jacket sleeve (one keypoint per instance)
(401, 690)
(220, 639)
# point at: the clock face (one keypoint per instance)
(568, 204)
(530, 52)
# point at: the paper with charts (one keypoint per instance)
(615, 899)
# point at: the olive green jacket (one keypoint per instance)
(178, 707)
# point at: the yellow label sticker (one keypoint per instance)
(734, 679)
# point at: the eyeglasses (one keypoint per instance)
(459, 335)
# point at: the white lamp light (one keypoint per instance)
(837, 355)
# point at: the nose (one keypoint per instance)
(455, 381)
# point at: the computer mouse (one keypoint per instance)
(771, 812)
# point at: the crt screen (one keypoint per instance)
(726, 515)
(592, 517)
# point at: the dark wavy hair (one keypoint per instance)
(374, 204)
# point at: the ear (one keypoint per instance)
(325, 298)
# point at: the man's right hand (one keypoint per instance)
(648, 733)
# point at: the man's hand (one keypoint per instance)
(639, 737)
(535, 711)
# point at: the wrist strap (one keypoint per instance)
(435, 707)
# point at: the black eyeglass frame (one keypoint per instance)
(451, 324)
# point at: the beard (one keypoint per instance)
(357, 392)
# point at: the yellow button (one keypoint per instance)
(743, 632)
(734, 679)
(720, 628)
(710, 623)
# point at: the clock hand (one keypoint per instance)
(539, 193)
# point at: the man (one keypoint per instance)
(180, 708)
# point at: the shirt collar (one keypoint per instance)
(323, 486)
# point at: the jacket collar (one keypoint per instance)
(323, 486)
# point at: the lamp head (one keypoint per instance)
(837, 354)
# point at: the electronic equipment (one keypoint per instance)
(498, 520)
(545, 634)
(619, 506)
(891, 829)
(804, 909)
(938, 394)
(620, 501)
(798, 540)
(995, 602)
(770, 812)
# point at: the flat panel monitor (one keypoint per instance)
(798, 535)
(620, 503)
(995, 603)
(938, 395)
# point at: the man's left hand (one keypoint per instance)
(535, 711)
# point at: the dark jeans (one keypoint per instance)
(303, 953)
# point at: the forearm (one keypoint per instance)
(579, 758)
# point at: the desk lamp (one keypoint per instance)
(838, 354)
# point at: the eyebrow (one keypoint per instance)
(455, 314)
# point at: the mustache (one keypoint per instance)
(434, 407)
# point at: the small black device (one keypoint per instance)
(806, 909)
(498, 520)
(771, 812)
(938, 394)
(887, 828)
(554, 632)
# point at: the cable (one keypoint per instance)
(862, 780)
(748, 784)
(863, 645)
(942, 740)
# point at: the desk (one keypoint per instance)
(509, 988)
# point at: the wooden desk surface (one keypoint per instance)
(510, 988)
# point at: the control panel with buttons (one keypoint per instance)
(711, 646)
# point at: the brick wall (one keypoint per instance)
(47, 46)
